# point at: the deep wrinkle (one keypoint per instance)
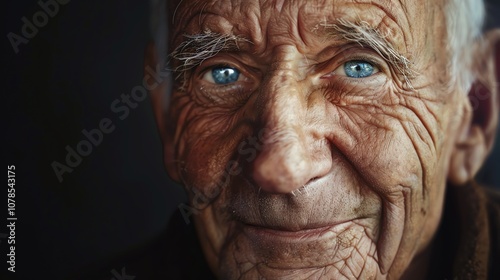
(365, 149)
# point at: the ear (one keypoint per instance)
(158, 83)
(477, 130)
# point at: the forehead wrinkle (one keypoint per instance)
(208, 42)
(191, 13)
(242, 18)
(283, 28)
(386, 20)
(402, 22)
(224, 17)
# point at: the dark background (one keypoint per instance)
(62, 81)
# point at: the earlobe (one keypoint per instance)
(480, 119)
(468, 157)
(157, 84)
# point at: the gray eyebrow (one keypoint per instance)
(366, 35)
(199, 47)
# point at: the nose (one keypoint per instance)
(290, 156)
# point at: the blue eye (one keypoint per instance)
(225, 75)
(358, 69)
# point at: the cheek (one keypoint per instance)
(392, 142)
(205, 142)
(381, 147)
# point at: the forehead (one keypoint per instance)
(270, 22)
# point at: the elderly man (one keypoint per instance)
(332, 139)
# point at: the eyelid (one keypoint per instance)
(209, 67)
(368, 59)
(226, 60)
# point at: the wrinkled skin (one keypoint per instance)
(299, 172)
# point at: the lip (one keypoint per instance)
(265, 234)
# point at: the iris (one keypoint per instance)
(358, 69)
(225, 75)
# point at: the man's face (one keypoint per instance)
(313, 137)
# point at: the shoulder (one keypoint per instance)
(493, 196)
(493, 208)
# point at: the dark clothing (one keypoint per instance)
(467, 245)
(176, 254)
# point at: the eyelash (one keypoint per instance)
(204, 70)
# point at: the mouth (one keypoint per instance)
(285, 235)
(302, 248)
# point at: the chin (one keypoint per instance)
(344, 250)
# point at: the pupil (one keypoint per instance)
(358, 67)
(225, 75)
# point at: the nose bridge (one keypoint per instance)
(284, 103)
(283, 163)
